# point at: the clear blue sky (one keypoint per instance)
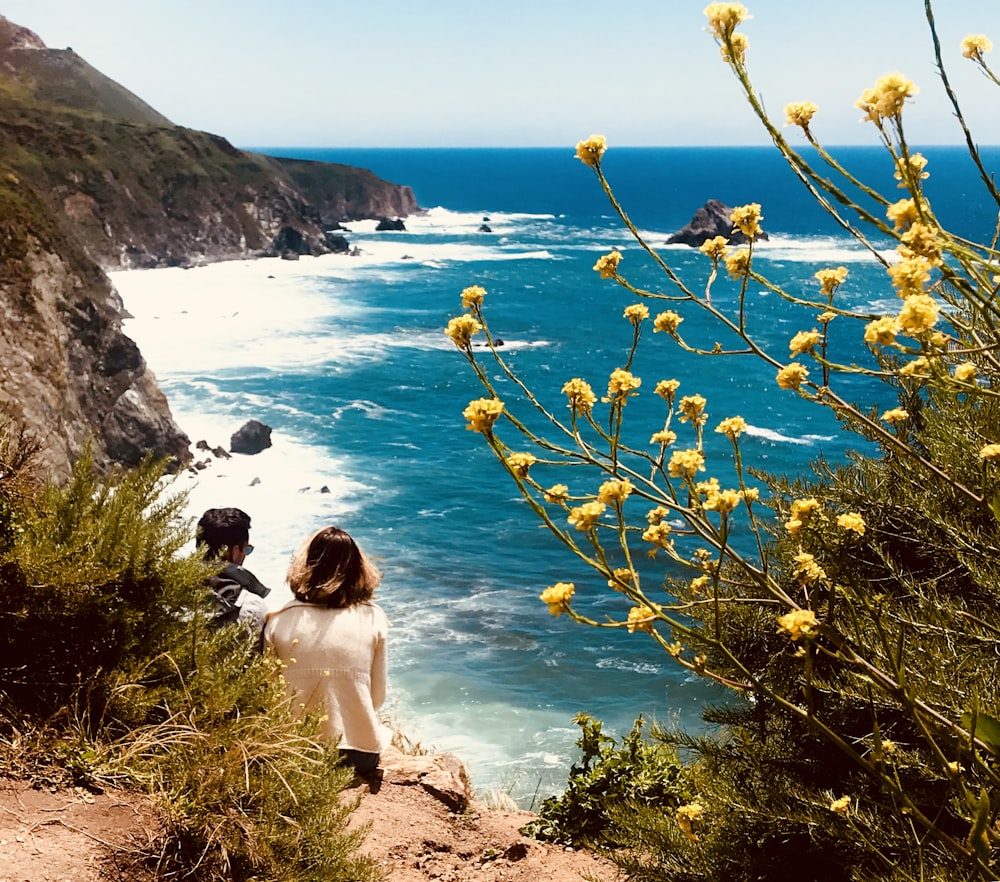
(520, 72)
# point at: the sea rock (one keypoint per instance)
(395, 225)
(711, 220)
(442, 775)
(485, 228)
(250, 438)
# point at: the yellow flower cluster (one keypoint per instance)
(656, 515)
(747, 218)
(657, 534)
(621, 576)
(581, 396)
(461, 329)
(585, 517)
(685, 463)
(723, 18)
(621, 385)
(803, 341)
(483, 413)
(801, 513)
(473, 296)
(715, 248)
(807, 571)
(688, 815)
(918, 315)
(791, 376)
(990, 452)
(739, 43)
(732, 427)
(738, 263)
(841, 806)
(692, 407)
(914, 164)
(699, 584)
(965, 372)
(641, 618)
(556, 493)
(910, 275)
(667, 321)
(607, 264)
(919, 367)
(887, 97)
(896, 415)
(830, 279)
(852, 522)
(722, 501)
(882, 331)
(636, 313)
(520, 463)
(797, 623)
(974, 45)
(665, 437)
(558, 597)
(615, 492)
(800, 113)
(666, 389)
(589, 152)
(903, 213)
(922, 240)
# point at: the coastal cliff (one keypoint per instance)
(92, 179)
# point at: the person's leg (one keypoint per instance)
(364, 763)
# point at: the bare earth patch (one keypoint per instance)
(421, 828)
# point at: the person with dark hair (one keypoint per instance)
(237, 593)
(331, 642)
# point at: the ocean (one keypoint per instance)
(346, 359)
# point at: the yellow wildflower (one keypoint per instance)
(747, 218)
(797, 623)
(841, 806)
(621, 576)
(657, 534)
(922, 240)
(483, 413)
(684, 463)
(585, 516)
(791, 376)
(715, 248)
(461, 329)
(807, 571)
(656, 515)
(724, 501)
(723, 18)
(990, 452)
(915, 164)
(688, 815)
(965, 372)
(664, 437)
(801, 513)
(732, 427)
(918, 367)
(636, 313)
(581, 396)
(589, 152)
(852, 522)
(615, 492)
(520, 463)
(739, 43)
(803, 341)
(910, 275)
(667, 321)
(826, 317)
(882, 331)
(830, 279)
(903, 213)
(751, 494)
(887, 97)
(692, 408)
(556, 493)
(607, 265)
(800, 113)
(641, 618)
(698, 584)
(918, 315)
(974, 45)
(473, 296)
(621, 385)
(896, 415)
(738, 263)
(666, 390)
(558, 597)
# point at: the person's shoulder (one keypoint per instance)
(375, 611)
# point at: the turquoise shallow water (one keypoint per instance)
(345, 358)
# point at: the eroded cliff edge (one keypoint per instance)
(92, 178)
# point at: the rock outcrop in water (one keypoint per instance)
(711, 220)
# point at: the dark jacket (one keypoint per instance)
(226, 588)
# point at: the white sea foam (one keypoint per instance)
(778, 437)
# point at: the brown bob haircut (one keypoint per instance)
(330, 570)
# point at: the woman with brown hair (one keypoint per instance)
(331, 642)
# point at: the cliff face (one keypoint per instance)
(92, 178)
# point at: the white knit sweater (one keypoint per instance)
(335, 666)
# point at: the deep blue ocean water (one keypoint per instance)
(345, 358)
